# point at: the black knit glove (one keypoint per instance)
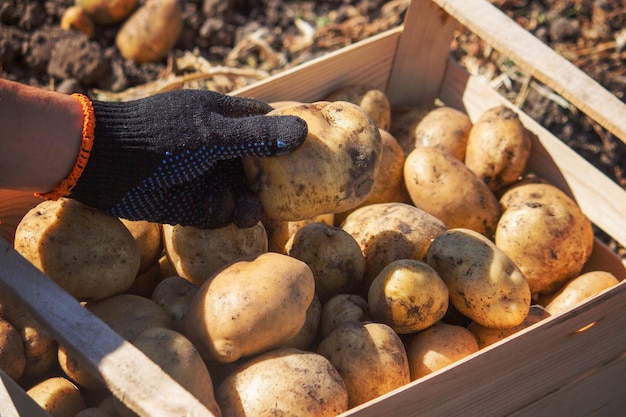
(175, 158)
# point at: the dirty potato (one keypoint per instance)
(373, 100)
(444, 128)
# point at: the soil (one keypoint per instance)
(241, 41)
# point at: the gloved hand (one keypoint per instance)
(175, 158)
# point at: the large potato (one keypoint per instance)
(370, 358)
(333, 255)
(389, 181)
(374, 101)
(151, 32)
(332, 171)
(196, 254)
(408, 295)
(498, 147)
(57, 396)
(283, 382)
(90, 254)
(444, 187)
(445, 128)
(250, 306)
(177, 356)
(390, 231)
(580, 289)
(546, 234)
(438, 346)
(484, 283)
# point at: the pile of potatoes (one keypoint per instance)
(385, 255)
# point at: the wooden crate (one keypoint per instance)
(571, 364)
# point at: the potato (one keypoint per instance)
(148, 238)
(196, 254)
(370, 358)
(408, 295)
(130, 315)
(498, 147)
(486, 336)
(177, 356)
(107, 11)
(305, 337)
(283, 382)
(484, 283)
(76, 17)
(280, 231)
(40, 348)
(151, 32)
(438, 346)
(250, 306)
(389, 181)
(332, 171)
(76, 372)
(174, 294)
(371, 99)
(444, 128)
(444, 187)
(404, 122)
(89, 253)
(390, 231)
(12, 355)
(58, 396)
(333, 255)
(580, 289)
(546, 234)
(341, 308)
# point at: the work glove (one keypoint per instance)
(175, 158)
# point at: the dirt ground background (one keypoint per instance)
(241, 41)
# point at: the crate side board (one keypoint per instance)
(519, 371)
(541, 61)
(365, 62)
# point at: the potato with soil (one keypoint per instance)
(580, 289)
(280, 231)
(196, 254)
(487, 336)
(333, 255)
(151, 32)
(438, 346)
(283, 382)
(174, 294)
(57, 396)
(332, 171)
(341, 308)
(107, 11)
(12, 356)
(444, 128)
(546, 234)
(404, 122)
(408, 295)
(370, 358)
(250, 307)
(444, 187)
(39, 347)
(177, 356)
(89, 253)
(485, 284)
(498, 147)
(390, 231)
(148, 238)
(371, 99)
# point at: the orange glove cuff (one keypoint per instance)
(89, 124)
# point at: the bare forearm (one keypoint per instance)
(40, 136)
